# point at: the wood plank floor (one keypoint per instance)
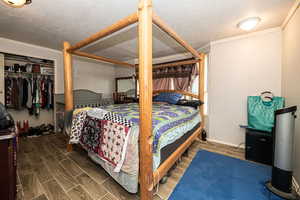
(47, 172)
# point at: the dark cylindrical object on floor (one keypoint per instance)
(203, 135)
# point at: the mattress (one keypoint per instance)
(170, 148)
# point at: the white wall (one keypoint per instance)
(93, 75)
(124, 71)
(239, 67)
(291, 77)
(88, 74)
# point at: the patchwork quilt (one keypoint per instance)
(103, 133)
(112, 133)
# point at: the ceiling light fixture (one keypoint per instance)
(17, 3)
(249, 24)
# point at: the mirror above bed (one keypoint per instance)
(125, 89)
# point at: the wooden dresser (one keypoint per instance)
(8, 165)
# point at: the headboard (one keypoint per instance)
(85, 98)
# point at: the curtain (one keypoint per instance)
(188, 72)
(181, 76)
(194, 75)
(161, 81)
(195, 72)
(181, 83)
(162, 84)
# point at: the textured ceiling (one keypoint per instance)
(50, 22)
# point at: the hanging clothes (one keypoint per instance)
(8, 92)
(29, 99)
(25, 92)
(43, 90)
(15, 94)
(36, 97)
(20, 95)
(50, 94)
(29, 93)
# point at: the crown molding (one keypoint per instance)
(29, 45)
(291, 13)
(229, 39)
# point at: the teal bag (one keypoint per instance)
(261, 113)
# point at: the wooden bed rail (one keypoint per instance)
(108, 60)
(177, 91)
(131, 19)
(176, 63)
(185, 62)
(163, 26)
(170, 161)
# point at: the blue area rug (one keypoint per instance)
(212, 176)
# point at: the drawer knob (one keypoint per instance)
(262, 139)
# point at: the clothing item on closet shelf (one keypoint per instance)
(35, 68)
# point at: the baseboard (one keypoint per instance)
(296, 185)
(226, 143)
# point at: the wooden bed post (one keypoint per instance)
(145, 102)
(69, 104)
(201, 86)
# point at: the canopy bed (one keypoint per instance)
(149, 170)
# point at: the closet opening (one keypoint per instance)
(27, 90)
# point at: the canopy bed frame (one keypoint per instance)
(144, 17)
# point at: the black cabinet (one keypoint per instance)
(259, 146)
(8, 164)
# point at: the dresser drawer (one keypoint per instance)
(259, 146)
(8, 165)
